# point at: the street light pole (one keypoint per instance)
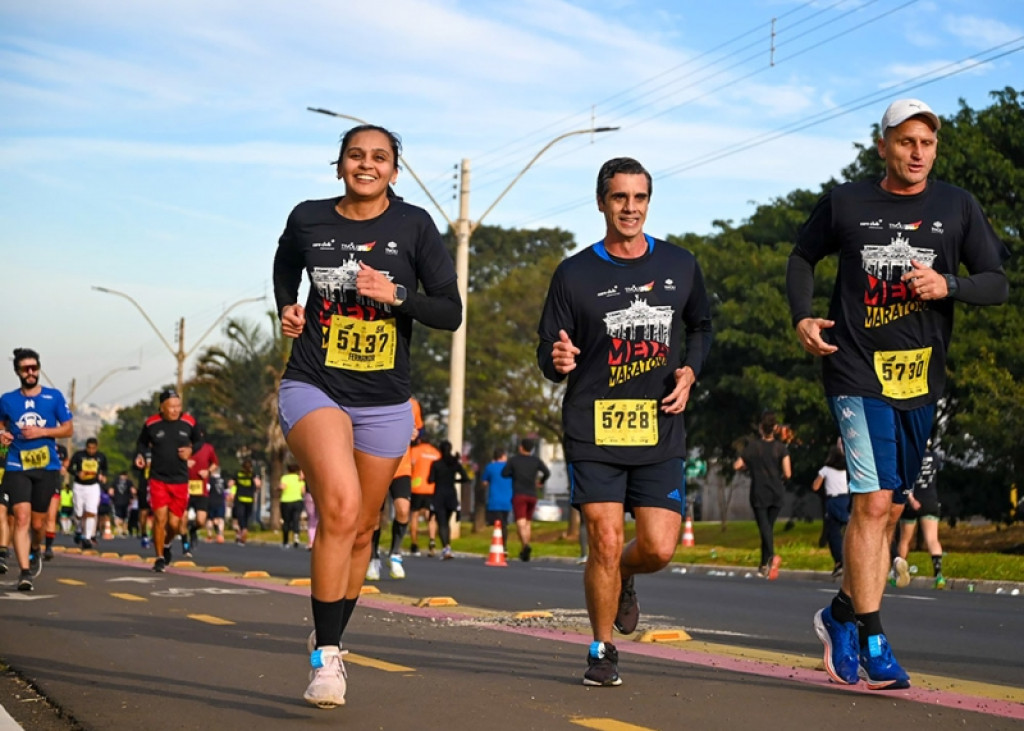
(73, 404)
(180, 355)
(463, 227)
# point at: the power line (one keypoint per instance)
(927, 78)
(481, 181)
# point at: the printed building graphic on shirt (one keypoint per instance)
(337, 287)
(886, 298)
(640, 336)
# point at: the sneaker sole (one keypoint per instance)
(883, 684)
(826, 640)
(902, 574)
(596, 684)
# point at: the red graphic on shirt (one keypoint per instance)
(630, 358)
(881, 292)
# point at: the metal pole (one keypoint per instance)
(457, 371)
(180, 356)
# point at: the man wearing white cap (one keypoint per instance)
(900, 241)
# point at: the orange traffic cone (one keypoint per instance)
(688, 533)
(496, 556)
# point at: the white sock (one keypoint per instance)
(90, 528)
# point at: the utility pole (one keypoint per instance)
(180, 355)
(463, 227)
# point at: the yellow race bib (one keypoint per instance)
(626, 422)
(195, 487)
(903, 374)
(35, 459)
(361, 345)
(90, 468)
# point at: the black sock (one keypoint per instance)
(937, 564)
(50, 537)
(327, 620)
(347, 607)
(867, 625)
(842, 608)
(397, 536)
(375, 544)
(3, 551)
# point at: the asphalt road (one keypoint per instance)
(111, 645)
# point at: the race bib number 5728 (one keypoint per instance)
(903, 374)
(626, 422)
(361, 345)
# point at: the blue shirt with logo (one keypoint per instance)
(46, 409)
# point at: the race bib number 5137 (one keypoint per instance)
(361, 345)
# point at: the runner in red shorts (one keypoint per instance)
(170, 435)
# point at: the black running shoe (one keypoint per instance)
(3, 564)
(628, 615)
(160, 565)
(167, 555)
(48, 553)
(86, 544)
(25, 582)
(35, 562)
(602, 665)
(524, 554)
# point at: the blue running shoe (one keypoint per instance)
(879, 668)
(841, 646)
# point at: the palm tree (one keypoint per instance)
(235, 390)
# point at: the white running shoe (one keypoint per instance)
(327, 679)
(397, 569)
(899, 576)
(373, 570)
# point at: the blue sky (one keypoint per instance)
(157, 148)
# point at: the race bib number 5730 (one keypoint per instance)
(903, 374)
(361, 345)
(626, 422)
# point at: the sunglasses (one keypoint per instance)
(29, 369)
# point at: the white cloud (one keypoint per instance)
(977, 32)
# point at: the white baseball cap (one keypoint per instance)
(903, 109)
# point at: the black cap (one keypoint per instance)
(168, 393)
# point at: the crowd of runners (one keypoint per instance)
(626, 327)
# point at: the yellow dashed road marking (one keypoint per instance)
(210, 619)
(371, 662)
(608, 724)
(71, 582)
(129, 597)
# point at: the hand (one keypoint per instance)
(926, 283)
(371, 283)
(33, 432)
(140, 461)
(184, 453)
(809, 331)
(675, 402)
(293, 320)
(6, 438)
(563, 353)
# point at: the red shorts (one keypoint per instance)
(523, 506)
(168, 495)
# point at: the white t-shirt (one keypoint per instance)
(835, 481)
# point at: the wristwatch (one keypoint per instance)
(400, 294)
(952, 285)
